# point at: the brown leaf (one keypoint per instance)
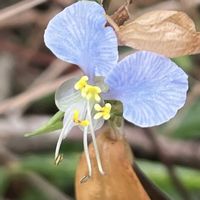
(170, 33)
(122, 14)
(119, 182)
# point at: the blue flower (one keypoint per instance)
(151, 87)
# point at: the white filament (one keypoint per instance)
(94, 140)
(85, 144)
(61, 137)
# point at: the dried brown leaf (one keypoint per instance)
(122, 14)
(170, 33)
(119, 182)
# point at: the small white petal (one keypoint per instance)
(67, 95)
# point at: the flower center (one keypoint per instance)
(85, 117)
(90, 92)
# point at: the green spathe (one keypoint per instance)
(54, 123)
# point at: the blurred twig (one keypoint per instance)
(64, 3)
(8, 159)
(18, 8)
(168, 163)
(173, 149)
(44, 186)
(11, 135)
(35, 41)
(164, 5)
(54, 70)
(23, 52)
(33, 94)
(31, 16)
(26, 17)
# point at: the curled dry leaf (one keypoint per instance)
(170, 33)
(119, 182)
(122, 14)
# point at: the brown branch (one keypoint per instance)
(18, 8)
(54, 70)
(33, 94)
(24, 53)
(31, 16)
(165, 5)
(173, 149)
(8, 158)
(64, 3)
(44, 186)
(170, 166)
(26, 17)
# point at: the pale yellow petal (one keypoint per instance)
(97, 107)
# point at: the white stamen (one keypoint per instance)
(94, 140)
(85, 144)
(61, 137)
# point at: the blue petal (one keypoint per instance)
(78, 35)
(151, 87)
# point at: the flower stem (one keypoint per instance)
(94, 140)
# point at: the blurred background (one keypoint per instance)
(168, 155)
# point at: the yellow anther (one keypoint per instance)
(102, 111)
(76, 116)
(81, 83)
(78, 121)
(84, 123)
(88, 91)
(91, 92)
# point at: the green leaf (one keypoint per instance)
(184, 62)
(158, 173)
(55, 123)
(189, 128)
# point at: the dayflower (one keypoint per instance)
(150, 86)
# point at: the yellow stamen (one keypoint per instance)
(91, 92)
(102, 111)
(78, 121)
(81, 83)
(88, 91)
(84, 123)
(76, 116)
